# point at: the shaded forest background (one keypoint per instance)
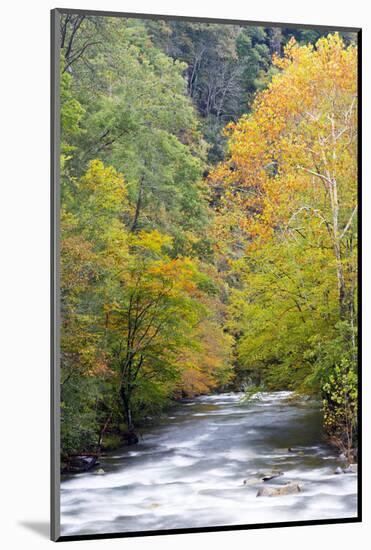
(208, 220)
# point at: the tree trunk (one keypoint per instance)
(276, 41)
(134, 225)
(102, 432)
(125, 398)
(337, 249)
(341, 282)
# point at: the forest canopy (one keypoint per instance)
(208, 220)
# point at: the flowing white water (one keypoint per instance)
(189, 471)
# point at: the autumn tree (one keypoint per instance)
(290, 185)
(152, 316)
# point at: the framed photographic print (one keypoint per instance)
(205, 274)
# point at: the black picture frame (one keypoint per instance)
(55, 132)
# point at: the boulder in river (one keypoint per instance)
(252, 481)
(290, 489)
(272, 475)
(100, 472)
(81, 463)
(351, 469)
(258, 477)
(130, 438)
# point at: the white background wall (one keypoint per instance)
(24, 271)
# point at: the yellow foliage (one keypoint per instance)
(302, 130)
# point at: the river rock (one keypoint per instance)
(351, 469)
(130, 438)
(338, 471)
(252, 481)
(100, 472)
(272, 475)
(290, 489)
(82, 463)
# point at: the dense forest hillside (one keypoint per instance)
(208, 220)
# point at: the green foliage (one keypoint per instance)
(335, 378)
(136, 101)
(340, 404)
(72, 113)
(79, 419)
(255, 55)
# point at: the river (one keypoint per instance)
(189, 470)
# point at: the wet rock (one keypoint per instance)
(259, 477)
(290, 489)
(100, 472)
(351, 469)
(338, 471)
(130, 438)
(252, 481)
(272, 475)
(82, 463)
